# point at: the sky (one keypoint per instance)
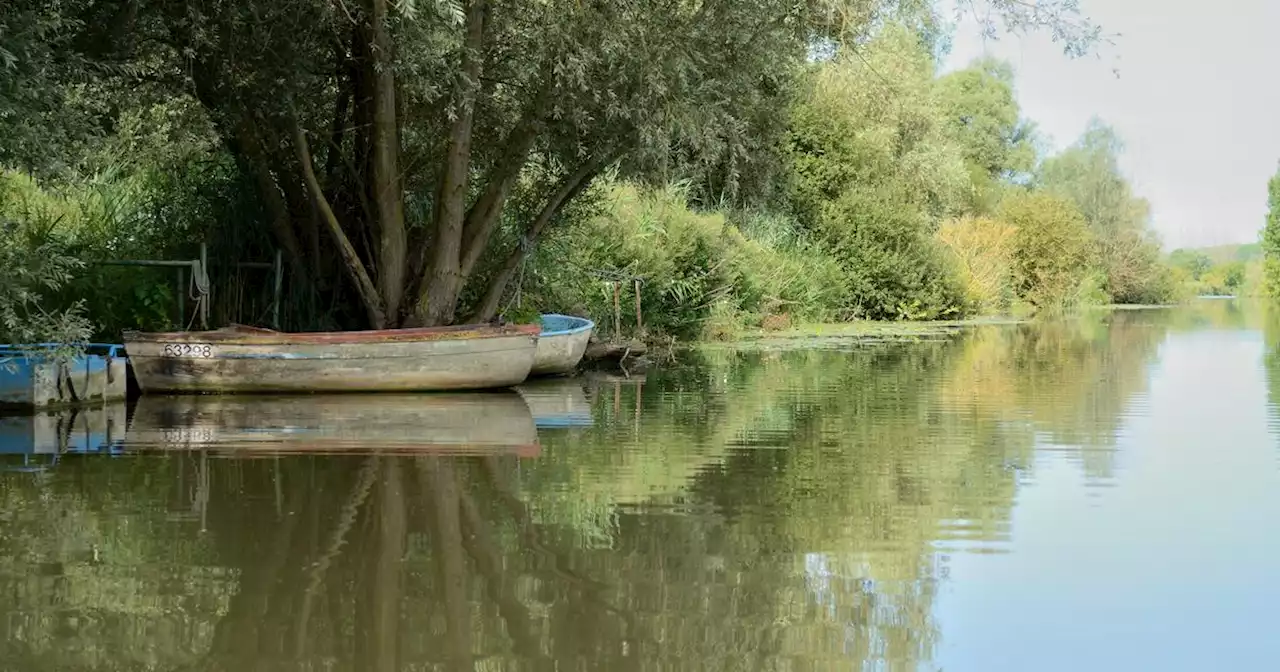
(1196, 102)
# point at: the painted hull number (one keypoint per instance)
(187, 435)
(198, 350)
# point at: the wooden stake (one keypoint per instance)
(207, 297)
(617, 310)
(639, 322)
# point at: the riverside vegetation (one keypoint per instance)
(751, 164)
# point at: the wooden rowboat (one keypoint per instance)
(240, 359)
(561, 344)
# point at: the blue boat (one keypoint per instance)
(561, 344)
(30, 378)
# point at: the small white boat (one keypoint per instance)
(561, 344)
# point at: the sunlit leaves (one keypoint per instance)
(1088, 173)
(34, 264)
(1053, 248)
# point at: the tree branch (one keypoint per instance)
(368, 292)
(569, 188)
(484, 215)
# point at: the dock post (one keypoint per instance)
(182, 297)
(206, 295)
(639, 322)
(278, 267)
(617, 310)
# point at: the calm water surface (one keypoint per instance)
(1102, 494)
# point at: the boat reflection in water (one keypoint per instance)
(556, 402)
(30, 441)
(468, 423)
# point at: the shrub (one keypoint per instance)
(982, 249)
(893, 267)
(1053, 250)
(34, 267)
(701, 276)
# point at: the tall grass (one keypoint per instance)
(701, 275)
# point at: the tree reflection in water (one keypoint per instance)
(745, 511)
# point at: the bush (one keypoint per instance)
(34, 267)
(893, 268)
(1053, 251)
(701, 275)
(982, 249)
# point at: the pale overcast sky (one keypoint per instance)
(1197, 103)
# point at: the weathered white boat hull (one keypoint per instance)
(205, 363)
(561, 349)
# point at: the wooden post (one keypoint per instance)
(617, 310)
(208, 296)
(278, 267)
(182, 298)
(639, 322)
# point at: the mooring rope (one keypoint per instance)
(198, 289)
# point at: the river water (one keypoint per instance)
(1099, 494)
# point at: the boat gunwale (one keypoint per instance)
(241, 335)
(586, 324)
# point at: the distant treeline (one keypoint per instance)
(1220, 270)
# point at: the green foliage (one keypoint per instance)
(111, 217)
(817, 147)
(982, 251)
(34, 266)
(893, 268)
(700, 274)
(1271, 238)
(1192, 262)
(983, 116)
(873, 170)
(1052, 251)
(1218, 271)
(1088, 173)
(1220, 254)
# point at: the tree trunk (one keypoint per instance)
(368, 292)
(570, 187)
(388, 195)
(446, 279)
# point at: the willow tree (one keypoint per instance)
(984, 117)
(1088, 173)
(386, 137)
